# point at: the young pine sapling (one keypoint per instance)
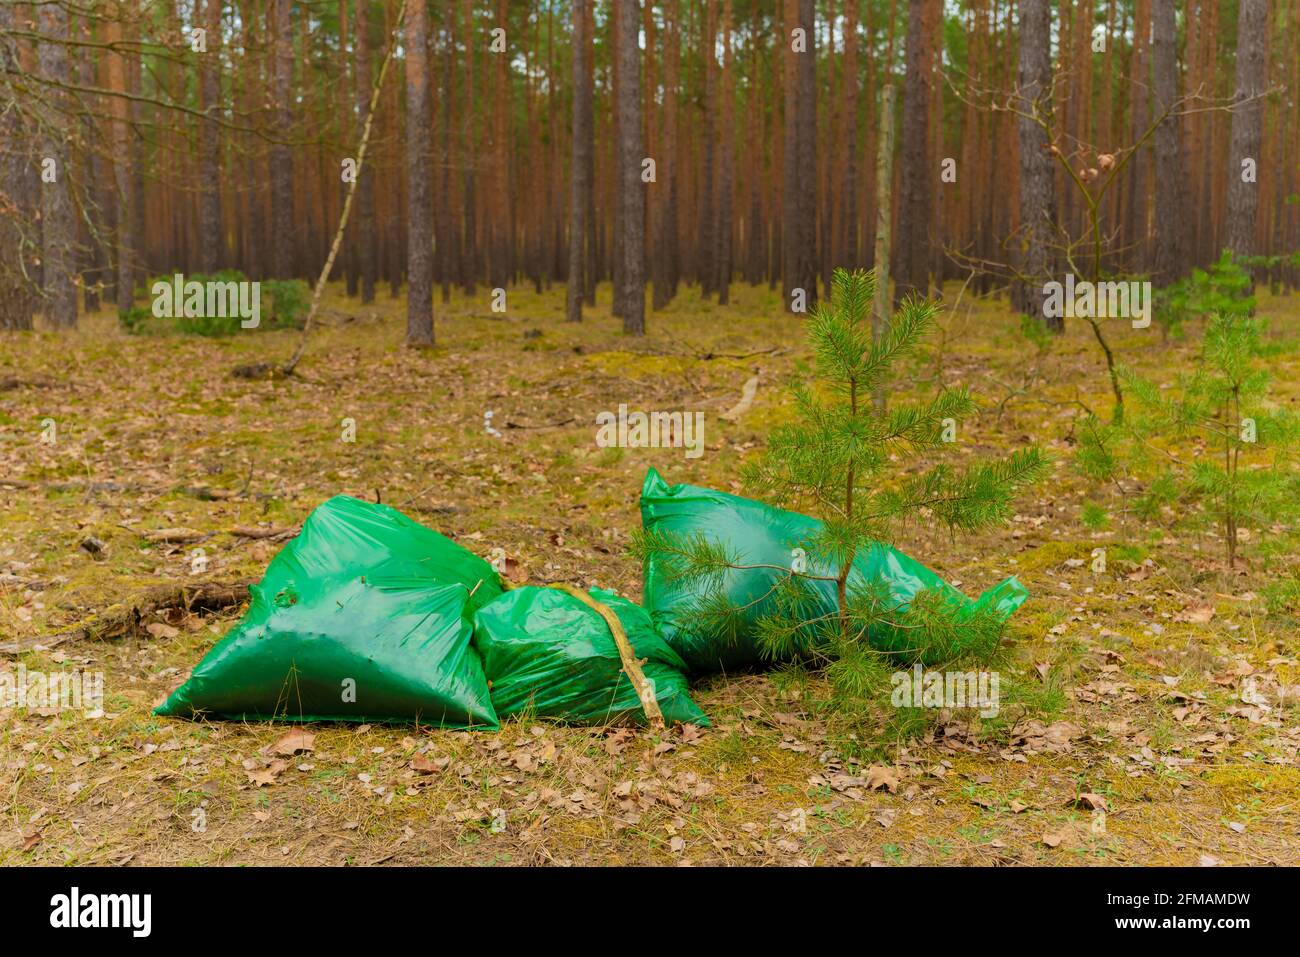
(853, 466)
(1215, 439)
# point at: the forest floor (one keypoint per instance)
(1178, 719)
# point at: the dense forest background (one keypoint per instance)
(144, 137)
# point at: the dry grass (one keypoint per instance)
(1153, 720)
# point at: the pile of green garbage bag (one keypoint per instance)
(759, 534)
(368, 616)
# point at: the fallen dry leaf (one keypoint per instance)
(1196, 614)
(263, 777)
(1091, 801)
(881, 777)
(294, 742)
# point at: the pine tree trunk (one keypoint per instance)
(848, 198)
(347, 129)
(1171, 257)
(916, 179)
(135, 111)
(579, 188)
(1247, 126)
(754, 244)
(935, 230)
(799, 195)
(85, 153)
(665, 257)
(726, 163)
(652, 135)
(121, 142)
(448, 248)
(363, 237)
(1037, 196)
(281, 171)
(419, 242)
(58, 227)
(254, 262)
(211, 251)
(1140, 90)
(90, 254)
(469, 154)
(632, 207)
(615, 119)
(556, 254)
(394, 215)
(884, 216)
(591, 273)
(834, 123)
(704, 264)
(1106, 126)
(499, 230)
(16, 239)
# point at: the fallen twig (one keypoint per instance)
(175, 536)
(746, 400)
(123, 619)
(709, 356)
(257, 531)
(548, 425)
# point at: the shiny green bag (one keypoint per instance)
(365, 616)
(549, 655)
(763, 535)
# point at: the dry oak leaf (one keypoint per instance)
(422, 765)
(690, 734)
(1196, 614)
(1067, 835)
(515, 571)
(1091, 801)
(882, 777)
(267, 775)
(523, 760)
(297, 740)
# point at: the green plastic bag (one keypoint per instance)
(365, 616)
(548, 654)
(761, 534)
